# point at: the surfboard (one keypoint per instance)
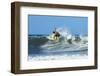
(50, 37)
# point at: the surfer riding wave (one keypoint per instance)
(55, 36)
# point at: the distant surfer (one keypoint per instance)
(56, 34)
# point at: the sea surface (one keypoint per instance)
(41, 48)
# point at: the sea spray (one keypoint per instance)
(67, 42)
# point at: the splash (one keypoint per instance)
(63, 31)
(67, 42)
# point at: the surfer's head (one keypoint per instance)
(53, 31)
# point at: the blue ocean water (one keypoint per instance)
(41, 48)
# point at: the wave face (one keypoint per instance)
(68, 46)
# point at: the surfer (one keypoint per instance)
(56, 35)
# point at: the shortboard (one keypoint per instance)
(50, 37)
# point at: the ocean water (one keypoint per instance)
(41, 48)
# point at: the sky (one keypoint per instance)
(45, 24)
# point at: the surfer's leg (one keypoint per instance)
(56, 38)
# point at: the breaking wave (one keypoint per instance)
(67, 42)
(68, 45)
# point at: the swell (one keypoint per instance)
(41, 45)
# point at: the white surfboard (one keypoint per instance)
(50, 37)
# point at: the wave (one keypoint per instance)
(67, 42)
(68, 45)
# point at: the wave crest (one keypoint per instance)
(67, 42)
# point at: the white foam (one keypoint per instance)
(56, 57)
